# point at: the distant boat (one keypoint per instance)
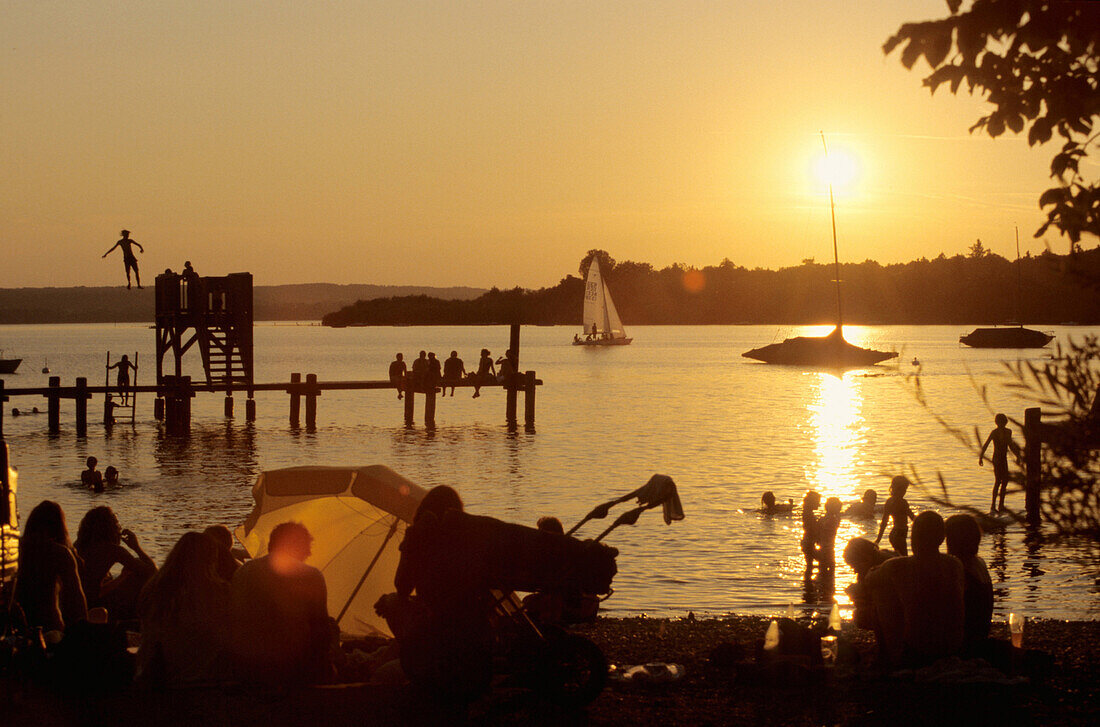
(1015, 336)
(602, 326)
(45, 366)
(830, 351)
(9, 365)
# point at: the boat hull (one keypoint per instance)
(9, 365)
(604, 342)
(830, 351)
(1014, 337)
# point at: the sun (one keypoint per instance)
(839, 167)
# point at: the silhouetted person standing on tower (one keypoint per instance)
(128, 258)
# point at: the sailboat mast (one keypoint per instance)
(1019, 279)
(836, 256)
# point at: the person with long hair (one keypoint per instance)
(99, 541)
(185, 616)
(48, 588)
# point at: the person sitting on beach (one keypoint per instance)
(560, 606)
(48, 589)
(825, 537)
(397, 374)
(1001, 437)
(810, 502)
(434, 373)
(185, 617)
(485, 372)
(227, 562)
(865, 508)
(453, 371)
(91, 477)
(768, 505)
(862, 555)
(99, 541)
(897, 507)
(963, 536)
(122, 380)
(281, 630)
(918, 599)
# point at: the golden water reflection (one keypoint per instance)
(838, 427)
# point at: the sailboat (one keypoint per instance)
(9, 365)
(830, 351)
(602, 325)
(1008, 336)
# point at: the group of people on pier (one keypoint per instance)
(427, 372)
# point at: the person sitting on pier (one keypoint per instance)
(768, 505)
(865, 508)
(99, 541)
(397, 373)
(918, 599)
(507, 370)
(123, 379)
(434, 373)
(825, 537)
(280, 627)
(453, 370)
(810, 502)
(963, 536)
(897, 507)
(486, 373)
(48, 589)
(418, 372)
(91, 477)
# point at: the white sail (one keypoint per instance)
(600, 316)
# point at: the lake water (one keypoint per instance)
(679, 401)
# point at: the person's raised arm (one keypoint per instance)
(143, 562)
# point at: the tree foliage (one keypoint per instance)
(1036, 62)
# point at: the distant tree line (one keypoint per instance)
(979, 287)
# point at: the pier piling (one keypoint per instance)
(229, 406)
(1033, 442)
(82, 397)
(312, 392)
(53, 406)
(529, 399)
(250, 408)
(295, 399)
(429, 407)
(410, 403)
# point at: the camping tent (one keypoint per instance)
(357, 516)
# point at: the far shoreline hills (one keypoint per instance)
(116, 304)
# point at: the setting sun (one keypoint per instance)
(838, 167)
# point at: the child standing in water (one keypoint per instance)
(809, 528)
(826, 535)
(897, 507)
(1001, 437)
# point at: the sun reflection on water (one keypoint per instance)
(837, 426)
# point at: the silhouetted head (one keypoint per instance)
(484, 352)
(111, 474)
(870, 497)
(125, 233)
(187, 582)
(928, 533)
(98, 526)
(899, 486)
(290, 539)
(125, 357)
(46, 522)
(833, 506)
(860, 555)
(91, 462)
(551, 524)
(768, 500)
(220, 535)
(454, 354)
(439, 500)
(187, 265)
(400, 356)
(423, 354)
(431, 355)
(963, 535)
(812, 500)
(1001, 420)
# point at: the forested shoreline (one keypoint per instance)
(977, 288)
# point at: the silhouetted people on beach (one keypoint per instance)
(48, 589)
(810, 503)
(185, 617)
(862, 555)
(897, 508)
(397, 373)
(865, 508)
(919, 599)
(963, 536)
(486, 372)
(122, 379)
(91, 477)
(825, 535)
(453, 370)
(560, 605)
(99, 543)
(129, 260)
(281, 630)
(1001, 438)
(768, 505)
(227, 562)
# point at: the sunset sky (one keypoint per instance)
(482, 143)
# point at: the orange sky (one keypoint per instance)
(481, 143)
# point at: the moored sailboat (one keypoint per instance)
(602, 325)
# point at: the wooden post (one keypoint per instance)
(53, 406)
(311, 401)
(529, 399)
(410, 410)
(295, 399)
(81, 406)
(3, 447)
(429, 406)
(1033, 439)
(250, 408)
(229, 405)
(511, 382)
(158, 409)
